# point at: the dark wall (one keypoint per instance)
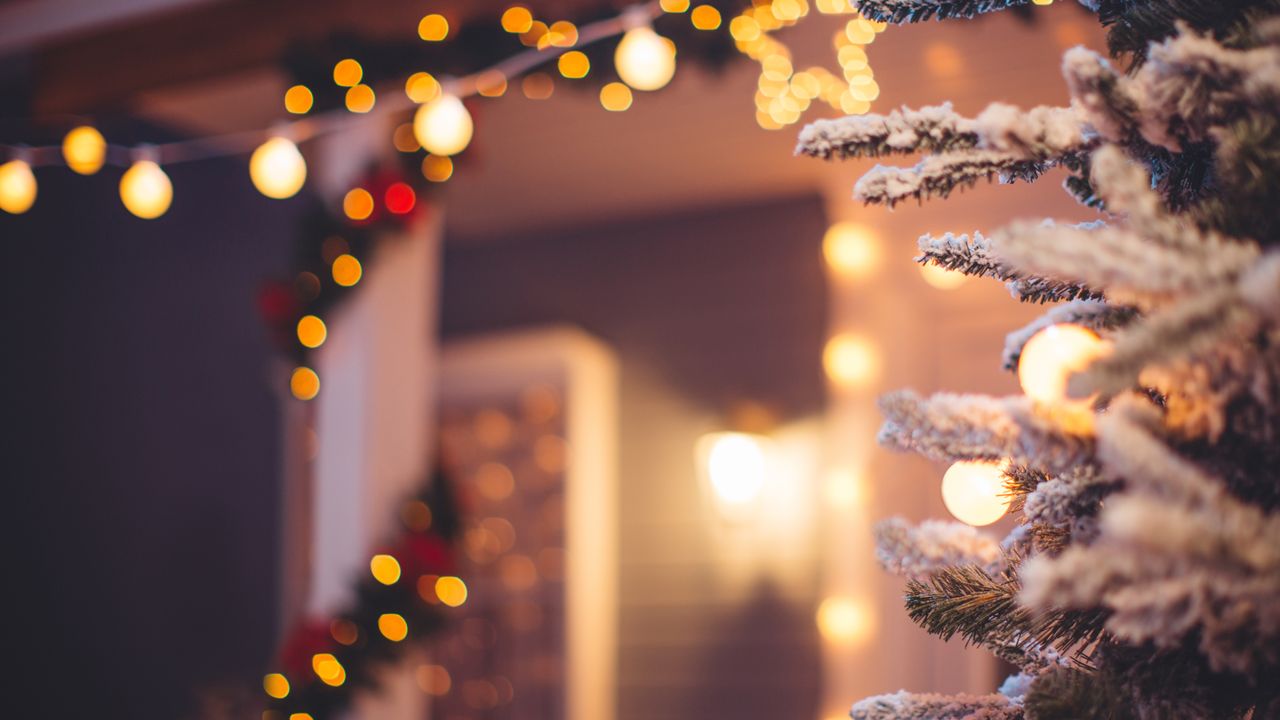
(140, 442)
(725, 304)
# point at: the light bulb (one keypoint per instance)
(146, 190)
(1052, 356)
(17, 187)
(443, 126)
(85, 150)
(644, 59)
(845, 620)
(851, 361)
(851, 249)
(736, 466)
(974, 491)
(277, 168)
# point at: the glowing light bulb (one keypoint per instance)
(851, 361)
(1052, 355)
(451, 590)
(385, 569)
(304, 383)
(146, 190)
(844, 620)
(85, 150)
(851, 249)
(393, 626)
(974, 491)
(17, 187)
(276, 685)
(277, 168)
(644, 59)
(443, 126)
(735, 464)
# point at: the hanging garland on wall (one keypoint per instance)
(403, 600)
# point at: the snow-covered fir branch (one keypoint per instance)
(909, 11)
(940, 175)
(903, 705)
(947, 427)
(935, 128)
(1041, 133)
(1097, 92)
(973, 256)
(1093, 314)
(918, 551)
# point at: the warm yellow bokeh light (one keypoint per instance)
(851, 250)
(843, 489)
(346, 270)
(360, 98)
(533, 36)
(1041, 2)
(85, 150)
(393, 627)
(574, 64)
(451, 590)
(403, 139)
(674, 6)
(437, 168)
(328, 669)
(973, 491)
(305, 383)
(433, 28)
(443, 126)
(705, 17)
(145, 190)
(942, 278)
(312, 331)
(298, 99)
(277, 168)
(434, 679)
(844, 620)
(422, 87)
(562, 33)
(851, 361)
(385, 569)
(17, 187)
(615, 97)
(736, 465)
(491, 84)
(357, 204)
(517, 19)
(347, 72)
(644, 59)
(276, 685)
(538, 86)
(300, 716)
(1052, 356)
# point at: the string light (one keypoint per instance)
(674, 6)
(276, 685)
(973, 491)
(312, 331)
(146, 190)
(393, 627)
(422, 87)
(451, 590)
(347, 72)
(437, 168)
(443, 126)
(851, 249)
(517, 20)
(574, 64)
(328, 669)
(277, 168)
(433, 28)
(298, 100)
(537, 86)
(360, 98)
(851, 361)
(1052, 356)
(17, 187)
(399, 198)
(346, 270)
(615, 97)
(385, 569)
(304, 383)
(705, 17)
(357, 204)
(644, 59)
(844, 620)
(84, 150)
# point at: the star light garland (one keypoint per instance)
(643, 60)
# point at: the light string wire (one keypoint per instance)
(337, 119)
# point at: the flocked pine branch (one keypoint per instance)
(940, 175)
(936, 128)
(909, 11)
(974, 257)
(918, 551)
(1097, 316)
(903, 705)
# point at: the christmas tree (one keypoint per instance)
(1143, 580)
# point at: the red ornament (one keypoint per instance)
(400, 198)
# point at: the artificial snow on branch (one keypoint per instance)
(903, 705)
(1093, 314)
(974, 257)
(935, 128)
(940, 175)
(909, 11)
(948, 427)
(916, 552)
